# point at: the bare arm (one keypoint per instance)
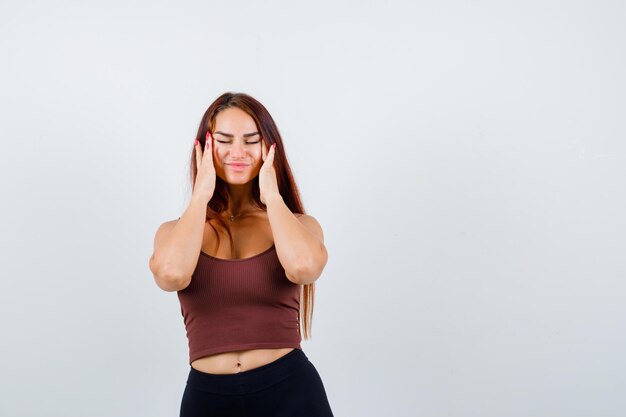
(177, 246)
(177, 243)
(299, 242)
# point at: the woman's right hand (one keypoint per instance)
(205, 177)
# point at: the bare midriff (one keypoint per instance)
(238, 361)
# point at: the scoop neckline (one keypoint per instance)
(241, 259)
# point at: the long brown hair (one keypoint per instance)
(284, 178)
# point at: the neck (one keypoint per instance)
(239, 200)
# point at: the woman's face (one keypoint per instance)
(236, 146)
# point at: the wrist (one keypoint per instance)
(199, 200)
(273, 198)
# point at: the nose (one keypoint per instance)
(237, 150)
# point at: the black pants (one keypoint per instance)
(289, 386)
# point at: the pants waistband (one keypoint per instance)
(248, 381)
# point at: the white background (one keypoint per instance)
(465, 159)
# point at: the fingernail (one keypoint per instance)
(196, 141)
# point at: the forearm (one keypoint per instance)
(297, 248)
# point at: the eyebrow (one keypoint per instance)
(229, 135)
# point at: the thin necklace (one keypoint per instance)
(232, 217)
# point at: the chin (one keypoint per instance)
(237, 180)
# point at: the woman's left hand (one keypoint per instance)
(268, 186)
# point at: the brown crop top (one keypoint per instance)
(238, 304)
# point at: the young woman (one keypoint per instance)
(243, 259)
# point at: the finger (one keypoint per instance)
(207, 142)
(263, 150)
(198, 152)
(271, 153)
(209, 152)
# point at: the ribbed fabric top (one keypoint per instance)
(237, 304)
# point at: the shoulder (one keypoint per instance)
(311, 224)
(165, 227)
(170, 223)
(162, 233)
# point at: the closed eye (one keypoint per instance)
(247, 143)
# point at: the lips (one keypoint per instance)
(237, 167)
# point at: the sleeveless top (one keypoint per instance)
(238, 304)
